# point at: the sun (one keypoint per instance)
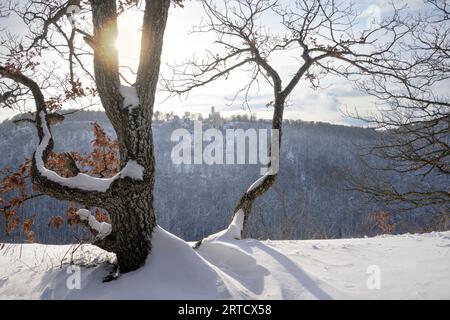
(129, 38)
(178, 43)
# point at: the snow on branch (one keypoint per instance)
(259, 182)
(233, 232)
(237, 224)
(130, 97)
(132, 170)
(81, 181)
(102, 229)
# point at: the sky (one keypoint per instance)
(324, 105)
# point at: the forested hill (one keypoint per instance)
(309, 200)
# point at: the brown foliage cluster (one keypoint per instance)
(383, 221)
(103, 162)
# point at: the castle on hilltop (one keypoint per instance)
(215, 118)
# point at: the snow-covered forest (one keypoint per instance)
(310, 200)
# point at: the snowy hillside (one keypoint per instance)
(385, 267)
(310, 195)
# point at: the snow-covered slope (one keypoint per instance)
(403, 267)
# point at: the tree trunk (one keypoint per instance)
(133, 219)
(249, 197)
(131, 202)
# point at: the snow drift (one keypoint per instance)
(410, 267)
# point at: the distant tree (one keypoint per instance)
(326, 36)
(187, 116)
(157, 116)
(87, 52)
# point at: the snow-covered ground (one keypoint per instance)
(385, 267)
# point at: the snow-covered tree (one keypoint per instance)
(89, 56)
